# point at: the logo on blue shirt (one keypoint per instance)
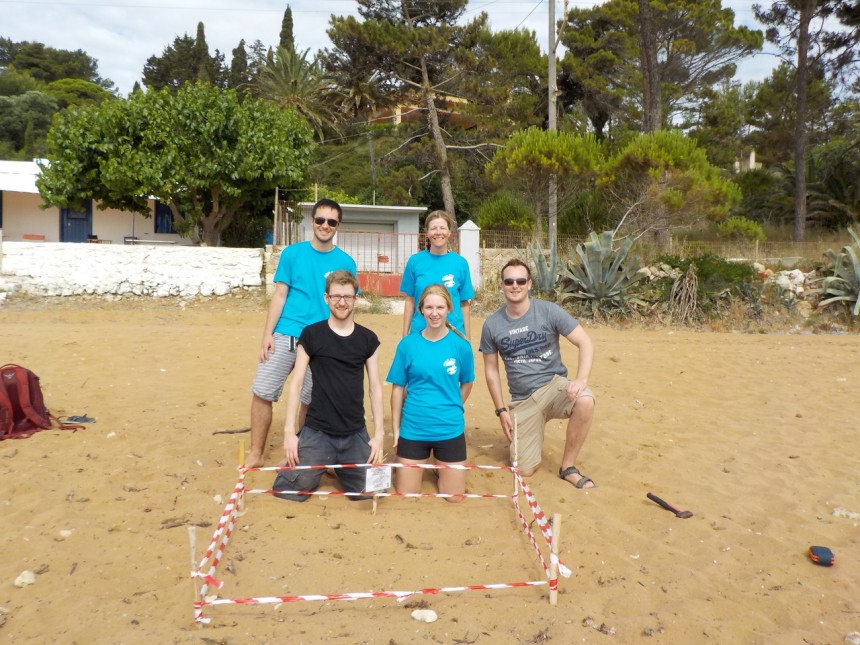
(450, 365)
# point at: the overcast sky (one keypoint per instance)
(122, 34)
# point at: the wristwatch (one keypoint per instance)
(500, 410)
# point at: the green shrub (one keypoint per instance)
(504, 212)
(740, 228)
(718, 280)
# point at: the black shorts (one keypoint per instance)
(448, 451)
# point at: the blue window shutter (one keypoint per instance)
(163, 218)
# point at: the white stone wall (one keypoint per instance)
(56, 269)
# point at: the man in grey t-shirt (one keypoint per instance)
(525, 333)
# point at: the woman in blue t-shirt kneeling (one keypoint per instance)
(437, 366)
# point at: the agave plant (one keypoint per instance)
(844, 284)
(546, 269)
(602, 276)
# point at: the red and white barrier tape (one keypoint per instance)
(226, 524)
(399, 595)
(392, 465)
(264, 491)
(542, 521)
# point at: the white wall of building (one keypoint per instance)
(23, 215)
(58, 269)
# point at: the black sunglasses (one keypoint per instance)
(510, 281)
(319, 221)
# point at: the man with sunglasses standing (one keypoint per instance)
(297, 302)
(525, 333)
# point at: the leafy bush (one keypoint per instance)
(718, 280)
(505, 211)
(601, 280)
(740, 228)
(843, 285)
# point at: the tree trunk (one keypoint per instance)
(807, 7)
(179, 217)
(438, 140)
(651, 99)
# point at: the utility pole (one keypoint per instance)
(552, 198)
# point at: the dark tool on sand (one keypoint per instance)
(678, 513)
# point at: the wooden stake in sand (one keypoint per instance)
(553, 563)
(515, 460)
(192, 541)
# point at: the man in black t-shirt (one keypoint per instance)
(339, 352)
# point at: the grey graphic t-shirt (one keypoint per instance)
(529, 345)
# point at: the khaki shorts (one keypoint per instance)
(548, 402)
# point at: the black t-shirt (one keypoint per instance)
(337, 363)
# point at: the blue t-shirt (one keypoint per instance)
(433, 372)
(304, 269)
(452, 270)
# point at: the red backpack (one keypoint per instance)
(22, 406)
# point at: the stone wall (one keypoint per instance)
(492, 261)
(58, 269)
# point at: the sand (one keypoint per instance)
(756, 434)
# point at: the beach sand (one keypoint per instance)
(756, 434)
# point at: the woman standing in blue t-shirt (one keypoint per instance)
(438, 367)
(437, 265)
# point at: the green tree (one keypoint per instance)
(504, 81)
(199, 149)
(239, 77)
(795, 26)
(24, 122)
(289, 79)
(662, 181)
(186, 60)
(68, 92)
(531, 158)
(691, 45)
(596, 69)
(47, 64)
(721, 125)
(772, 113)
(286, 40)
(415, 45)
(13, 82)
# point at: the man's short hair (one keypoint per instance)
(328, 203)
(516, 262)
(343, 277)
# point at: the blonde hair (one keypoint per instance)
(442, 292)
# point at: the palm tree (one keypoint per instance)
(289, 79)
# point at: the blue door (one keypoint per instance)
(75, 226)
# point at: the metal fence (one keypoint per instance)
(381, 251)
(648, 250)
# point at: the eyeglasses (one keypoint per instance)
(319, 221)
(508, 282)
(337, 298)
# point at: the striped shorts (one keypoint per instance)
(271, 375)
